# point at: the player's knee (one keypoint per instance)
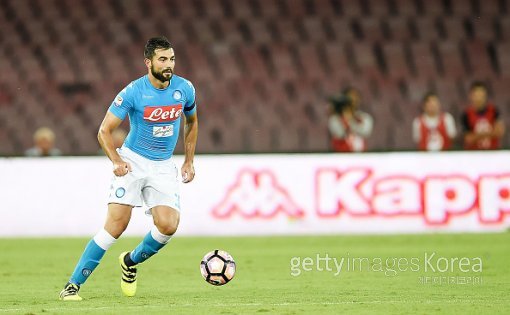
(168, 226)
(116, 227)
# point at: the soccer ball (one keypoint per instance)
(218, 267)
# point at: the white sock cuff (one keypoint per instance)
(104, 240)
(158, 236)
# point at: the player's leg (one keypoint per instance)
(166, 220)
(161, 194)
(116, 222)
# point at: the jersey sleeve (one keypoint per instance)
(190, 107)
(123, 102)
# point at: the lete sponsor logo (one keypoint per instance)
(358, 192)
(162, 113)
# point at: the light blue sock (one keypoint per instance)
(91, 256)
(88, 262)
(151, 244)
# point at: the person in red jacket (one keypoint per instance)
(434, 130)
(348, 126)
(483, 127)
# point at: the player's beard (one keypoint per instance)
(160, 75)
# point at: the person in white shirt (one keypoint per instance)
(433, 130)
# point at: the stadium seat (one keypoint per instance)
(427, 28)
(433, 8)
(503, 51)
(406, 8)
(451, 60)
(484, 28)
(454, 27)
(397, 59)
(373, 29)
(424, 59)
(400, 29)
(352, 8)
(480, 64)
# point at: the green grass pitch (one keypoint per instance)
(33, 271)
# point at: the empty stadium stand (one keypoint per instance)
(262, 68)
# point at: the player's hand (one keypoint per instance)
(121, 168)
(188, 172)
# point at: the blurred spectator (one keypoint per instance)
(348, 125)
(481, 121)
(433, 130)
(44, 143)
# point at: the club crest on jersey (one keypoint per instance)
(162, 113)
(177, 95)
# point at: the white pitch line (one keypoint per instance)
(73, 308)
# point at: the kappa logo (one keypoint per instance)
(257, 194)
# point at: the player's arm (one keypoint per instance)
(104, 136)
(190, 142)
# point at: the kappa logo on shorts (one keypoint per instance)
(120, 192)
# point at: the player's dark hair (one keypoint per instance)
(478, 85)
(160, 42)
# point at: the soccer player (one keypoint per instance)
(143, 168)
(434, 130)
(483, 128)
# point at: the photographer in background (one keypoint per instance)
(348, 126)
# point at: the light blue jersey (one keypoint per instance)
(154, 115)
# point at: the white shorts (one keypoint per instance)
(153, 182)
